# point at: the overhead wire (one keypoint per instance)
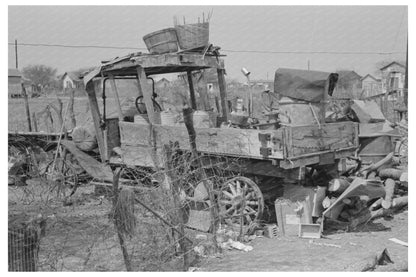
(224, 50)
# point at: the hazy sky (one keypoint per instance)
(260, 28)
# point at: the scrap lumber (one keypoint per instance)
(363, 217)
(335, 212)
(397, 204)
(378, 164)
(403, 177)
(376, 204)
(338, 185)
(319, 196)
(359, 187)
(399, 242)
(389, 185)
(390, 173)
(93, 167)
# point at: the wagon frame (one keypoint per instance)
(282, 153)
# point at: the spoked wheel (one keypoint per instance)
(63, 177)
(240, 198)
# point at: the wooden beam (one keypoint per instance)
(191, 90)
(223, 94)
(146, 91)
(115, 91)
(95, 112)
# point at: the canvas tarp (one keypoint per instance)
(306, 85)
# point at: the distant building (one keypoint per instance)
(162, 83)
(348, 85)
(392, 78)
(262, 84)
(72, 80)
(15, 80)
(370, 86)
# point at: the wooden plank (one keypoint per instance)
(311, 139)
(164, 63)
(95, 112)
(227, 141)
(116, 96)
(146, 91)
(223, 94)
(29, 125)
(191, 90)
(137, 156)
(93, 167)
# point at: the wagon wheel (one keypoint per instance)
(63, 177)
(238, 197)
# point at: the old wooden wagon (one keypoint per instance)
(282, 151)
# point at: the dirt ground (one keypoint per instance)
(77, 237)
(297, 254)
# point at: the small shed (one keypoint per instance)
(14, 82)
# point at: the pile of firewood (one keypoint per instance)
(377, 190)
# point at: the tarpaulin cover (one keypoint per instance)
(306, 85)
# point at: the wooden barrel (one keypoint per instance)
(162, 41)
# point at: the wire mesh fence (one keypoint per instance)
(150, 220)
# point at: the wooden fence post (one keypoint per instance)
(27, 108)
(188, 119)
(177, 202)
(71, 109)
(35, 122)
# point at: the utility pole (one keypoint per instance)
(15, 51)
(405, 76)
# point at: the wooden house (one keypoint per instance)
(370, 86)
(392, 78)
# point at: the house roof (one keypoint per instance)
(350, 74)
(390, 64)
(13, 72)
(370, 76)
(72, 75)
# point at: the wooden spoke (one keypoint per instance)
(232, 189)
(229, 195)
(240, 198)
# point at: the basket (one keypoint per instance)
(162, 41)
(192, 35)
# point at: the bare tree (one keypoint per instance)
(41, 75)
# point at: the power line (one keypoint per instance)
(79, 46)
(224, 50)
